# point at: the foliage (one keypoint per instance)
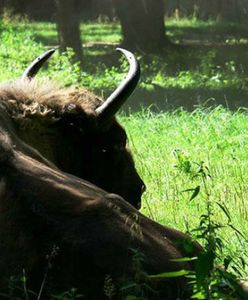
(213, 65)
(169, 153)
(194, 164)
(210, 281)
(68, 295)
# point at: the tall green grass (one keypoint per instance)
(171, 148)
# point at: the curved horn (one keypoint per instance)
(34, 67)
(113, 103)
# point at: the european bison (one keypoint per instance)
(75, 129)
(97, 235)
(58, 231)
(91, 239)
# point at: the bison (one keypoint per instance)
(65, 176)
(75, 129)
(83, 234)
(65, 179)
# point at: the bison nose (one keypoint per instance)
(141, 191)
(143, 188)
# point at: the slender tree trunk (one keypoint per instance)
(13, 5)
(68, 24)
(208, 9)
(142, 23)
(229, 10)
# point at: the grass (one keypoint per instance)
(170, 148)
(210, 61)
(169, 153)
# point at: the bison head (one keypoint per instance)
(76, 130)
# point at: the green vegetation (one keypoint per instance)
(209, 60)
(170, 153)
(194, 163)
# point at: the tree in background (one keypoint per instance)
(222, 10)
(228, 10)
(233, 10)
(68, 24)
(142, 23)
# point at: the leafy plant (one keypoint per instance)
(68, 295)
(211, 280)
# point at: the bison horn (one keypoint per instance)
(113, 103)
(34, 67)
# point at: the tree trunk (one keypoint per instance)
(68, 24)
(229, 11)
(142, 23)
(223, 10)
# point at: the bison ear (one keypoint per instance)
(113, 103)
(34, 67)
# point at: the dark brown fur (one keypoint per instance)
(61, 124)
(96, 233)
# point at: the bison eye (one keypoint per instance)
(113, 149)
(119, 148)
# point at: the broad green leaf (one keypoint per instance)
(171, 274)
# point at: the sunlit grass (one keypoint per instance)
(106, 32)
(90, 32)
(170, 148)
(190, 22)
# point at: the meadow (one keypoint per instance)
(194, 162)
(206, 65)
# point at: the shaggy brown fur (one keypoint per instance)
(62, 125)
(44, 99)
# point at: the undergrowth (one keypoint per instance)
(172, 148)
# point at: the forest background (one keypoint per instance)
(190, 106)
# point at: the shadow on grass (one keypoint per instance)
(49, 41)
(194, 43)
(170, 99)
(216, 32)
(193, 39)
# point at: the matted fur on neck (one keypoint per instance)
(44, 99)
